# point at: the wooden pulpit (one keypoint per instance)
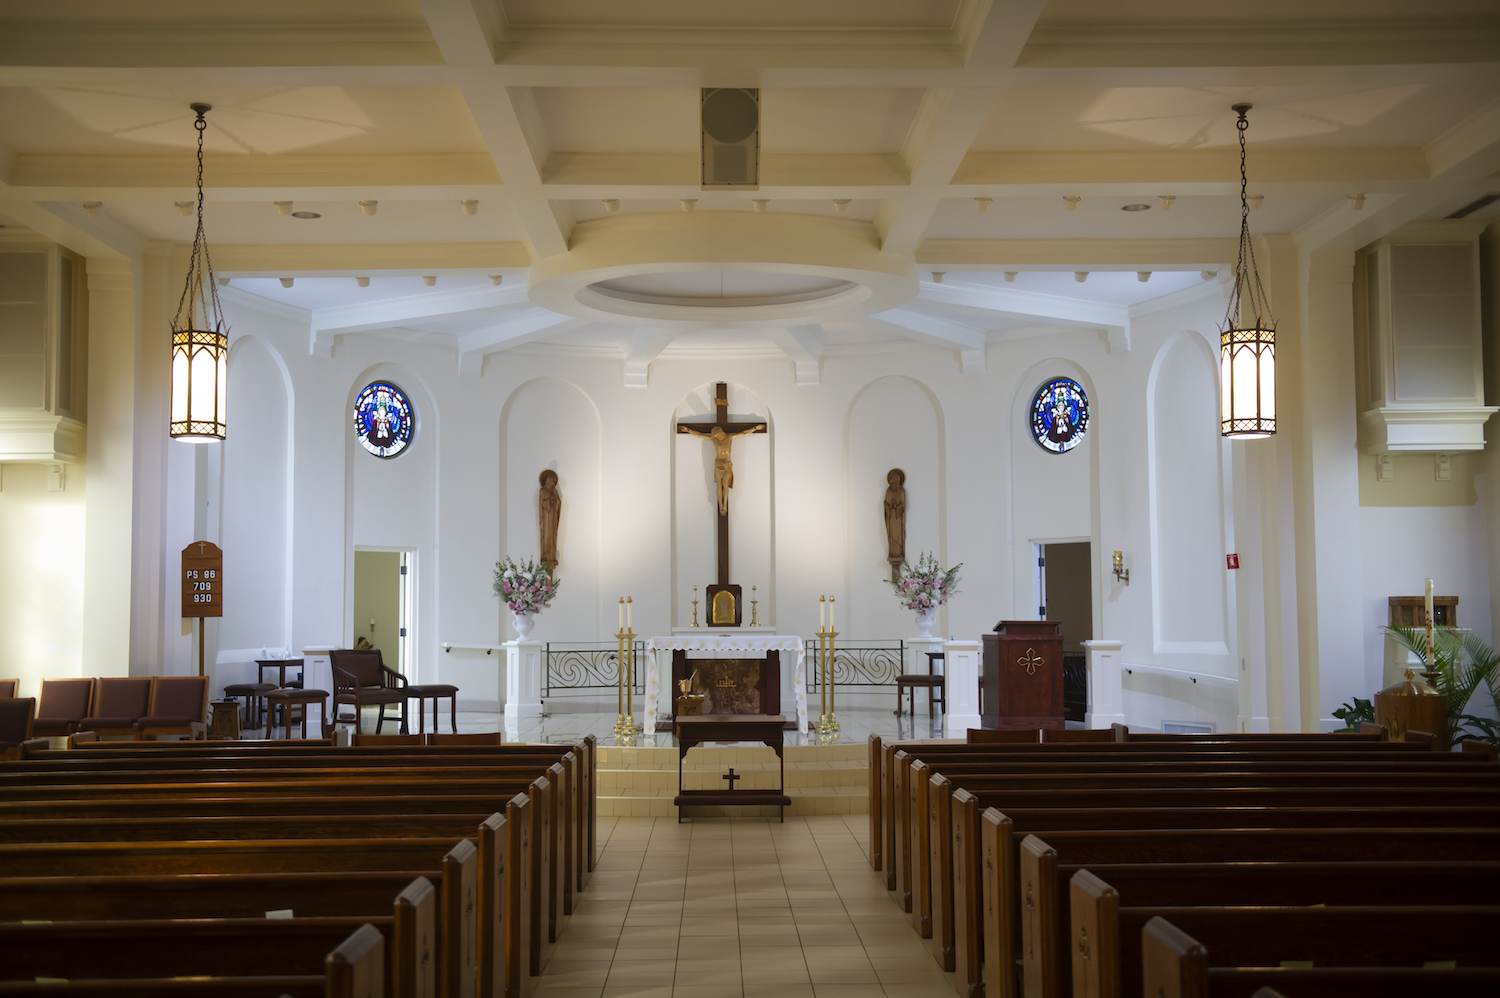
(1023, 675)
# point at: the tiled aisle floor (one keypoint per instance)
(739, 909)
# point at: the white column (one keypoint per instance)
(523, 681)
(961, 695)
(1106, 695)
(109, 499)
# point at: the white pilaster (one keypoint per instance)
(961, 695)
(1106, 695)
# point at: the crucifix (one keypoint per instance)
(721, 433)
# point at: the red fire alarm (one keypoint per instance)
(1232, 560)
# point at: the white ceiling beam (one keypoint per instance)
(526, 327)
(506, 117)
(803, 346)
(1077, 254)
(968, 341)
(1029, 304)
(644, 346)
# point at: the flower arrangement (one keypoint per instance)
(927, 586)
(526, 587)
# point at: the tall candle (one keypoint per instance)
(1430, 620)
(622, 613)
(629, 604)
(830, 613)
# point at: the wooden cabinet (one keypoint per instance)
(1023, 675)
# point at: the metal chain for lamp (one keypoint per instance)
(1248, 294)
(200, 267)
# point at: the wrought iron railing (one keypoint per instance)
(858, 664)
(576, 668)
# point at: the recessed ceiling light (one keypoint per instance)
(1136, 207)
(306, 214)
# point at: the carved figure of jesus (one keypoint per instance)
(723, 467)
(895, 520)
(549, 512)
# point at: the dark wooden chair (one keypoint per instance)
(283, 700)
(934, 683)
(255, 700)
(8, 688)
(435, 692)
(179, 706)
(63, 705)
(118, 703)
(16, 718)
(361, 678)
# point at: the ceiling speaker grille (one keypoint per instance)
(730, 138)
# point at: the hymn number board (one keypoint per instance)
(202, 580)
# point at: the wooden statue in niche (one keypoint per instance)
(549, 513)
(895, 520)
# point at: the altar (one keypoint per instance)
(711, 646)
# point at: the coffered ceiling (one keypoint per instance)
(560, 115)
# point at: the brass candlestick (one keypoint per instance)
(828, 721)
(625, 723)
(754, 616)
(695, 607)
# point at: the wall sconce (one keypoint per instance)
(1122, 574)
(372, 619)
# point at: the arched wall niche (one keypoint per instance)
(1185, 480)
(1054, 498)
(391, 505)
(892, 422)
(752, 514)
(255, 529)
(551, 424)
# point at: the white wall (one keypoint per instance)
(41, 575)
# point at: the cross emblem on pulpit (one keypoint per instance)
(1031, 661)
(732, 776)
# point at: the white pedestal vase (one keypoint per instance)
(523, 623)
(926, 621)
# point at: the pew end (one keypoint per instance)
(413, 960)
(1094, 940)
(1173, 963)
(1369, 728)
(874, 806)
(356, 967)
(458, 920)
(1490, 753)
(998, 881)
(1040, 946)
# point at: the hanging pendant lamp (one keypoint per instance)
(1247, 338)
(200, 340)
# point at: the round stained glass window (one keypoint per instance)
(384, 419)
(1060, 415)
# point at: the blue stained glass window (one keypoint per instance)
(384, 419)
(1060, 415)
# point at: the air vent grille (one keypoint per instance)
(730, 138)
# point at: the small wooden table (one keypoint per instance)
(280, 665)
(767, 728)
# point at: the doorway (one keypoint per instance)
(382, 604)
(1067, 588)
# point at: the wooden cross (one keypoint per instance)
(703, 429)
(732, 777)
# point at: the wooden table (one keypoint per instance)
(281, 665)
(694, 730)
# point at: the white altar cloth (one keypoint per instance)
(659, 663)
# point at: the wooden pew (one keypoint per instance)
(1036, 880)
(193, 947)
(1353, 950)
(933, 831)
(457, 927)
(354, 969)
(1104, 938)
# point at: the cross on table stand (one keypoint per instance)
(721, 433)
(732, 777)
